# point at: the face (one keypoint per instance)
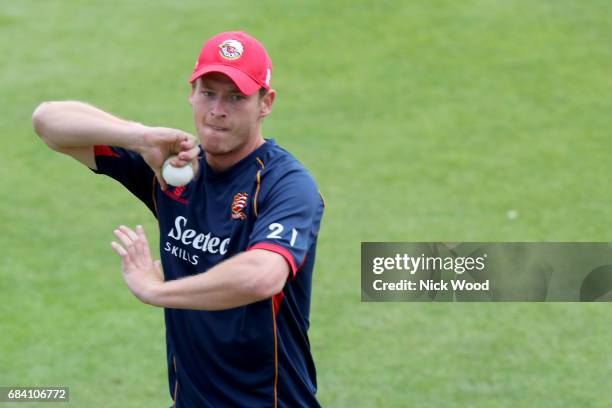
(227, 121)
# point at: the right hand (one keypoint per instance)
(157, 143)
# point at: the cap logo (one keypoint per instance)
(231, 49)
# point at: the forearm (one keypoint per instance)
(235, 282)
(206, 291)
(69, 124)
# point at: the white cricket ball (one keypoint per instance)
(176, 176)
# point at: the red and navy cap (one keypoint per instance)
(240, 57)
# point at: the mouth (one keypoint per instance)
(217, 128)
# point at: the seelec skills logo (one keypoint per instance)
(202, 243)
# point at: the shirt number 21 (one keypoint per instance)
(277, 229)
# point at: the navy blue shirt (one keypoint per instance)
(256, 355)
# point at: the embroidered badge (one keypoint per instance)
(231, 49)
(238, 206)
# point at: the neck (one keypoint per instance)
(225, 161)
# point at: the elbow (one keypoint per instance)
(266, 283)
(41, 118)
(267, 288)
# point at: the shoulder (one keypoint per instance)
(280, 170)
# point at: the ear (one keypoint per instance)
(193, 91)
(191, 94)
(265, 105)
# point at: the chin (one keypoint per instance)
(219, 148)
(211, 143)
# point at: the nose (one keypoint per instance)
(217, 109)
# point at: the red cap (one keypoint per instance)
(240, 57)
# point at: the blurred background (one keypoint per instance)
(433, 120)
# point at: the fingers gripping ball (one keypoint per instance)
(176, 176)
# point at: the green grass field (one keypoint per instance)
(421, 121)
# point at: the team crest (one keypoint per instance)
(231, 49)
(238, 206)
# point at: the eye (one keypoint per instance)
(207, 93)
(236, 98)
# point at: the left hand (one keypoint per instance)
(141, 274)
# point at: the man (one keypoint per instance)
(237, 243)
